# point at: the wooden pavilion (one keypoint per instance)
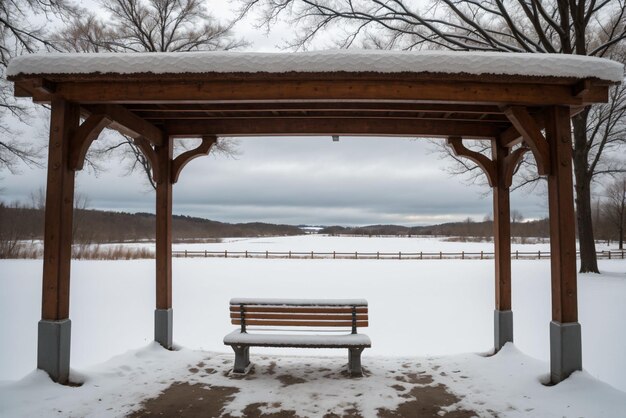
(519, 102)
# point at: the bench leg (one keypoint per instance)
(354, 361)
(242, 358)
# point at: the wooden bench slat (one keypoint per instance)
(319, 309)
(301, 323)
(290, 316)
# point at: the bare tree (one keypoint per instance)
(516, 216)
(148, 26)
(18, 34)
(595, 28)
(615, 208)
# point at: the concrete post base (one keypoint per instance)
(354, 362)
(53, 349)
(503, 328)
(163, 327)
(242, 359)
(565, 350)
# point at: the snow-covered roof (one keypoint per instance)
(444, 62)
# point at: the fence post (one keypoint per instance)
(622, 254)
(462, 255)
(421, 256)
(289, 254)
(517, 254)
(539, 254)
(481, 255)
(225, 253)
(377, 255)
(334, 255)
(246, 256)
(356, 255)
(267, 254)
(440, 255)
(185, 253)
(311, 255)
(205, 254)
(399, 255)
(609, 254)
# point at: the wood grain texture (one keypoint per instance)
(163, 251)
(57, 255)
(562, 217)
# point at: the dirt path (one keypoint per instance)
(420, 397)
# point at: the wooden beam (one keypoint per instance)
(582, 88)
(127, 122)
(59, 212)
(502, 229)
(353, 106)
(562, 218)
(459, 117)
(525, 124)
(487, 165)
(330, 126)
(273, 90)
(163, 250)
(44, 86)
(86, 133)
(183, 159)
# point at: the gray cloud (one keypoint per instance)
(355, 181)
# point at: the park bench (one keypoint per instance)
(317, 315)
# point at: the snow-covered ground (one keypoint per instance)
(417, 308)
(326, 243)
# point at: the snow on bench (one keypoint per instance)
(318, 314)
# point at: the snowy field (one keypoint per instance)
(417, 308)
(326, 243)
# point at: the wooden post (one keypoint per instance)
(53, 347)
(163, 254)
(503, 315)
(565, 333)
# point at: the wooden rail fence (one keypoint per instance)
(463, 255)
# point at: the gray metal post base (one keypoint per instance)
(565, 350)
(354, 361)
(53, 349)
(242, 358)
(503, 328)
(163, 321)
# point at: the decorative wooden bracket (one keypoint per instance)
(146, 148)
(181, 161)
(86, 133)
(511, 162)
(531, 132)
(487, 165)
(128, 123)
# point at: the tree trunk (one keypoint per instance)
(588, 260)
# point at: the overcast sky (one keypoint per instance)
(356, 181)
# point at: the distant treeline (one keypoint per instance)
(484, 229)
(96, 226)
